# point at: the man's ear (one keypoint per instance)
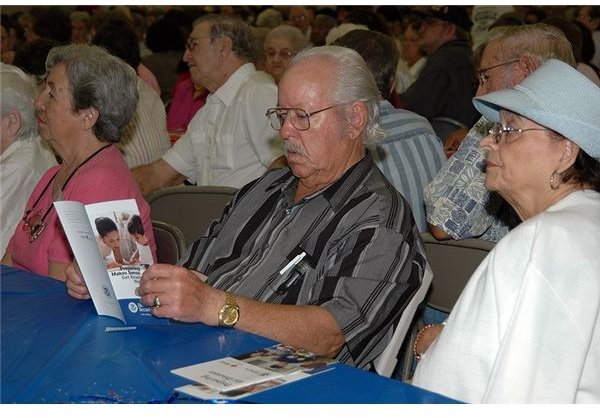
(13, 123)
(359, 115)
(527, 65)
(224, 45)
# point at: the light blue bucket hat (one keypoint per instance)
(556, 96)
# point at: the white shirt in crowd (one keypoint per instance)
(229, 142)
(22, 164)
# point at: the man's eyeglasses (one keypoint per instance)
(483, 76)
(499, 132)
(299, 118)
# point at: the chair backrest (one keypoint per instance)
(190, 208)
(453, 262)
(444, 126)
(170, 242)
(386, 362)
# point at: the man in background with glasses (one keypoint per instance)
(458, 204)
(228, 142)
(322, 255)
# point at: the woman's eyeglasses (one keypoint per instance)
(499, 132)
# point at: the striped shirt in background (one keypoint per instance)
(409, 157)
(364, 255)
(145, 139)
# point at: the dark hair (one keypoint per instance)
(165, 35)
(105, 225)
(51, 22)
(31, 56)
(379, 52)
(135, 225)
(118, 37)
(588, 48)
(585, 170)
(368, 18)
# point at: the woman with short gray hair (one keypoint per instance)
(86, 102)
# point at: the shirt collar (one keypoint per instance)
(338, 192)
(228, 91)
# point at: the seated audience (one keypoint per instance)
(228, 142)
(526, 328)
(81, 24)
(590, 17)
(145, 139)
(187, 98)
(444, 87)
(458, 205)
(8, 44)
(411, 153)
(302, 17)
(266, 20)
(281, 44)
(413, 58)
(322, 255)
(49, 22)
(31, 57)
(320, 27)
(88, 98)
(23, 158)
(166, 40)
(575, 36)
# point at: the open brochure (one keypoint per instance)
(240, 376)
(111, 259)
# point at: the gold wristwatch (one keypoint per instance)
(230, 312)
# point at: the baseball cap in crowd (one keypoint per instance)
(556, 96)
(453, 14)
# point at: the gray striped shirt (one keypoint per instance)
(364, 256)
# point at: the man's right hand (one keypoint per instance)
(76, 287)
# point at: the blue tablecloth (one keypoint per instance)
(55, 349)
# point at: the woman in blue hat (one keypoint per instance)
(526, 328)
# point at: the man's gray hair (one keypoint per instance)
(353, 82)
(18, 93)
(101, 81)
(235, 29)
(539, 41)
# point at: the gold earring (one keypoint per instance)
(555, 180)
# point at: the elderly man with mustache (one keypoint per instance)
(322, 255)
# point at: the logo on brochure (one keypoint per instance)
(106, 291)
(133, 307)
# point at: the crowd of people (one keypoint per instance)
(329, 122)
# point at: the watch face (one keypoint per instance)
(229, 315)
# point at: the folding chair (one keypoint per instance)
(170, 242)
(386, 362)
(453, 262)
(190, 208)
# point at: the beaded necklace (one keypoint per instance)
(35, 230)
